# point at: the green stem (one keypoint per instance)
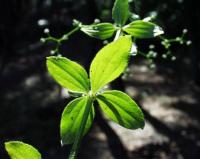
(59, 41)
(161, 37)
(73, 31)
(143, 54)
(169, 40)
(76, 145)
(64, 37)
(118, 33)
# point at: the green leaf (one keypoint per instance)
(120, 108)
(68, 74)
(100, 31)
(120, 12)
(141, 29)
(110, 62)
(74, 94)
(20, 150)
(72, 117)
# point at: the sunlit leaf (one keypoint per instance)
(20, 150)
(142, 29)
(68, 74)
(120, 12)
(72, 117)
(100, 31)
(110, 62)
(120, 108)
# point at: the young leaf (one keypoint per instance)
(110, 62)
(20, 150)
(100, 31)
(72, 117)
(120, 12)
(68, 74)
(141, 29)
(120, 108)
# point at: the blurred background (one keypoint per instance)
(31, 103)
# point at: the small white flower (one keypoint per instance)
(173, 58)
(151, 46)
(185, 31)
(42, 40)
(52, 52)
(46, 31)
(164, 56)
(97, 21)
(42, 22)
(189, 42)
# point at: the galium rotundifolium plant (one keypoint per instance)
(108, 64)
(121, 14)
(123, 25)
(125, 22)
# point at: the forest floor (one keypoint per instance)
(172, 129)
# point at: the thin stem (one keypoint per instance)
(59, 41)
(66, 36)
(170, 40)
(73, 31)
(50, 38)
(143, 54)
(76, 145)
(160, 36)
(118, 34)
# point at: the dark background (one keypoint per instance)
(31, 102)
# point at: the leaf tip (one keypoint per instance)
(142, 125)
(6, 144)
(142, 120)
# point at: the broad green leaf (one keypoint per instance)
(120, 108)
(141, 29)
(100, 31)
(120, 12)
(72, 117)
(20, 150)
(68, 74)
(110, 62)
